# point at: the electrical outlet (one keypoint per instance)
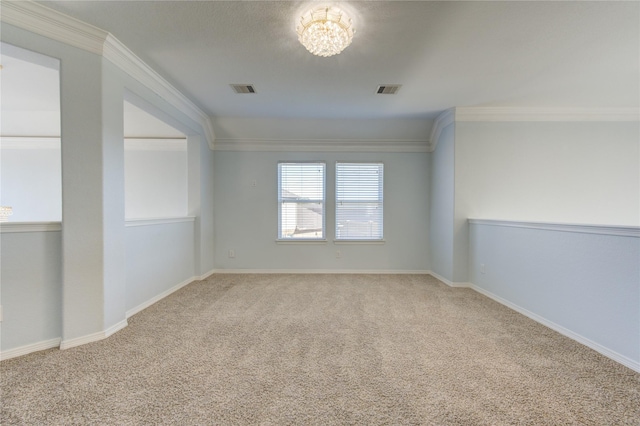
(0, 313)
(338, 254)
(483, 270)
(232, 253)
(254, 183)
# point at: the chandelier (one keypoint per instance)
(325, 31)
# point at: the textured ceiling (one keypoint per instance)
(445, 54)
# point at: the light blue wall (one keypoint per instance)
(588, 284)
(31, 292)
(159, 257)
(246, 216)
(441, 210)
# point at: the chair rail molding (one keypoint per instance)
(13, 227)
(623, 231)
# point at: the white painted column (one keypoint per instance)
(93, 200)
(113, 196)
(194, 196)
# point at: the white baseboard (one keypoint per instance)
(94, 337)
(159, 297)
(27, 349)
(627, 362)
(448, 282)
(207, 275)
(322, 271)
(83, 340)
(115, 328)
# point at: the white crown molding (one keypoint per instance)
(50, 23)
(545, 114)
(11, 227)
(29, 142)
(614, 230)
(27, 349)
(323, 145)
(126, 60)
(158, 221)
(445, 119)
(634, 365)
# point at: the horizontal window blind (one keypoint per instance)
(359, 201)
(301, 200)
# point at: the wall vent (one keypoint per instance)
(388, 89)
(243, 88)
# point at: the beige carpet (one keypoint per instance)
(320, 350)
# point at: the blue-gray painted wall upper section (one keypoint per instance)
(246, 216)
(31, 277)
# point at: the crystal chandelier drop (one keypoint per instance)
(325, 31)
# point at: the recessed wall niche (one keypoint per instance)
(30, 159)
(155, 159)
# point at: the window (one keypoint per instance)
(301, 201)
(359, 202)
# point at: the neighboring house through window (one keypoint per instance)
(359, 201)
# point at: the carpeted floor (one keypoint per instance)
(321, 350)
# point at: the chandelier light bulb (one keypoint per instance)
(325, 31)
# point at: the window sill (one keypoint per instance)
(373, 242)
(157, 221)
(300, 241)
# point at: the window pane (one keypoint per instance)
(301, 220)
(301, 200)
(359, 201)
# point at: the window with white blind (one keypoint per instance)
(359, 201)
(301, 201)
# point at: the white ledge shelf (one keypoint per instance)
(158, 221)
(9, 227)
(616, 230)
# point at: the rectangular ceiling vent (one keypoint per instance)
(388, 89)
(243, 88)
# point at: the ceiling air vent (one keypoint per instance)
(388, 89)
(243, 88)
